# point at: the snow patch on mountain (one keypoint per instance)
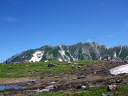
(37, 56)
(71, 56)
(46, 61)
(62, 52)
(114, 55)
(60, 59)
(119, 70)
(120, 51)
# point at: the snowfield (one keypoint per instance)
(62, 52)
(37, 56)
(119, 70)
(60, 59)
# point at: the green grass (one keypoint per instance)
(122, 90)
(21, 70)
(28, 69)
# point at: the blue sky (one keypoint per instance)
(29, 24)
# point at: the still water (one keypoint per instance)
(4, 87)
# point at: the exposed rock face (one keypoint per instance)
(111, 87)
(79, 51)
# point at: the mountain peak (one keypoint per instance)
(79, 51)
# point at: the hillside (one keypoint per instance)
(77, 78)
(79, 51)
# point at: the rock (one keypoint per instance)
(72, 66)
(26, 60)
(104, 94)
(79, 67)
(70, 86)
(99, 81)
(82, 69)
(89, 65)
(53, 82)
(95, 72)
(33, 72)
(55, 87)
(111, 87)
(38, 91)
(92, 69)
(75, 63)
(80, 77)
(45, 90)
(52, 68)
(81, 86)
(50, 87)
(9, 67)
(125, 61)
(14, 62)
(119, 80)
(31, 82)
(51, 65)
(41, 77)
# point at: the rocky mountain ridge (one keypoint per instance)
(79, 51)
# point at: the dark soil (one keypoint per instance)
(93, 75)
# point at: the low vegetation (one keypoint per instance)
(122, 90)
(36, 68)
(66, 76)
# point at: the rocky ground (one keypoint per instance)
(90, 75)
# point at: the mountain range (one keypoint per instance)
(79, 51)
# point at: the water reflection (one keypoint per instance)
(4, 87)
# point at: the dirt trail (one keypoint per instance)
(12, 80)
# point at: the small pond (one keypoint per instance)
(4, 87)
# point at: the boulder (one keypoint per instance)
(81, 77)
(72, 66)
(32, 82)
(79, 67)
(41, 77)
(81, 86)
(119, 80)
(82, 69)
(51, 65)
(55, 87)
(111, 87)
(104, 94)
(9, 67)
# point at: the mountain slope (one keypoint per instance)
(79, 51)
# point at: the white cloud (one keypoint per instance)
(89, 40)
(10, 19)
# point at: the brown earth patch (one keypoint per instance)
(13, 80)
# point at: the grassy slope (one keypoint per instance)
(122, 90)
(28, 69)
